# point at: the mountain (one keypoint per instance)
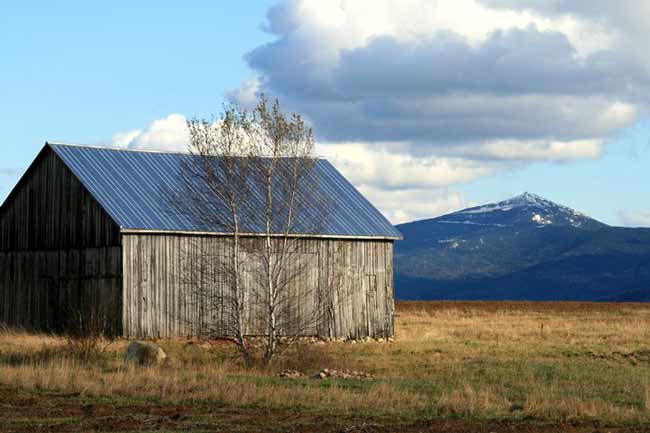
(524, 248)
(526, 210)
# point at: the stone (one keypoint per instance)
(342, 374)
(144, 354)
(291, 374)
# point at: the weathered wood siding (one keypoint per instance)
(59, 251)
(346, 285)
(45, 290)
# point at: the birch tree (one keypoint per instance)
(251, 175)
(215, 191)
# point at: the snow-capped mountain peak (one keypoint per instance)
(527, 209)
(484, 227)
(529, 199)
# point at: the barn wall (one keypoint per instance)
(46, 290)
(60, 253)
(345, 286)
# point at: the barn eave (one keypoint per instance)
(291, 235)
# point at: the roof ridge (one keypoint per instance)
(122, 149)
(116, 149)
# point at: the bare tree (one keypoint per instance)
(251, 176)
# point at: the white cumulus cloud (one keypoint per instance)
(522, 151)
(441, 74)
(167, 134)
(365, 164)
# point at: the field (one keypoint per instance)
(453, 367)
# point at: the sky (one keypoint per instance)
(427, 106)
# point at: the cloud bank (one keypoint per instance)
(413, 98)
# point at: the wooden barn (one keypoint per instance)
(87, 229)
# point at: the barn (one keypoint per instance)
(87, 229)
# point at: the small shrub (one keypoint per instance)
(86, 334)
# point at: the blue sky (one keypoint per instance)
(386, 103)
(75, 71)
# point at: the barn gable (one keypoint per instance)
(60, 252)
(50, 209)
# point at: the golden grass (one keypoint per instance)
(469, 401)
(203, 383)
(505, 361)
(551, 404)
(19, 340)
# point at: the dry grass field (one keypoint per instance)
(456, 366)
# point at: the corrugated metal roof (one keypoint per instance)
(130, 186)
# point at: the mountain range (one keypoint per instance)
(524, 248)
